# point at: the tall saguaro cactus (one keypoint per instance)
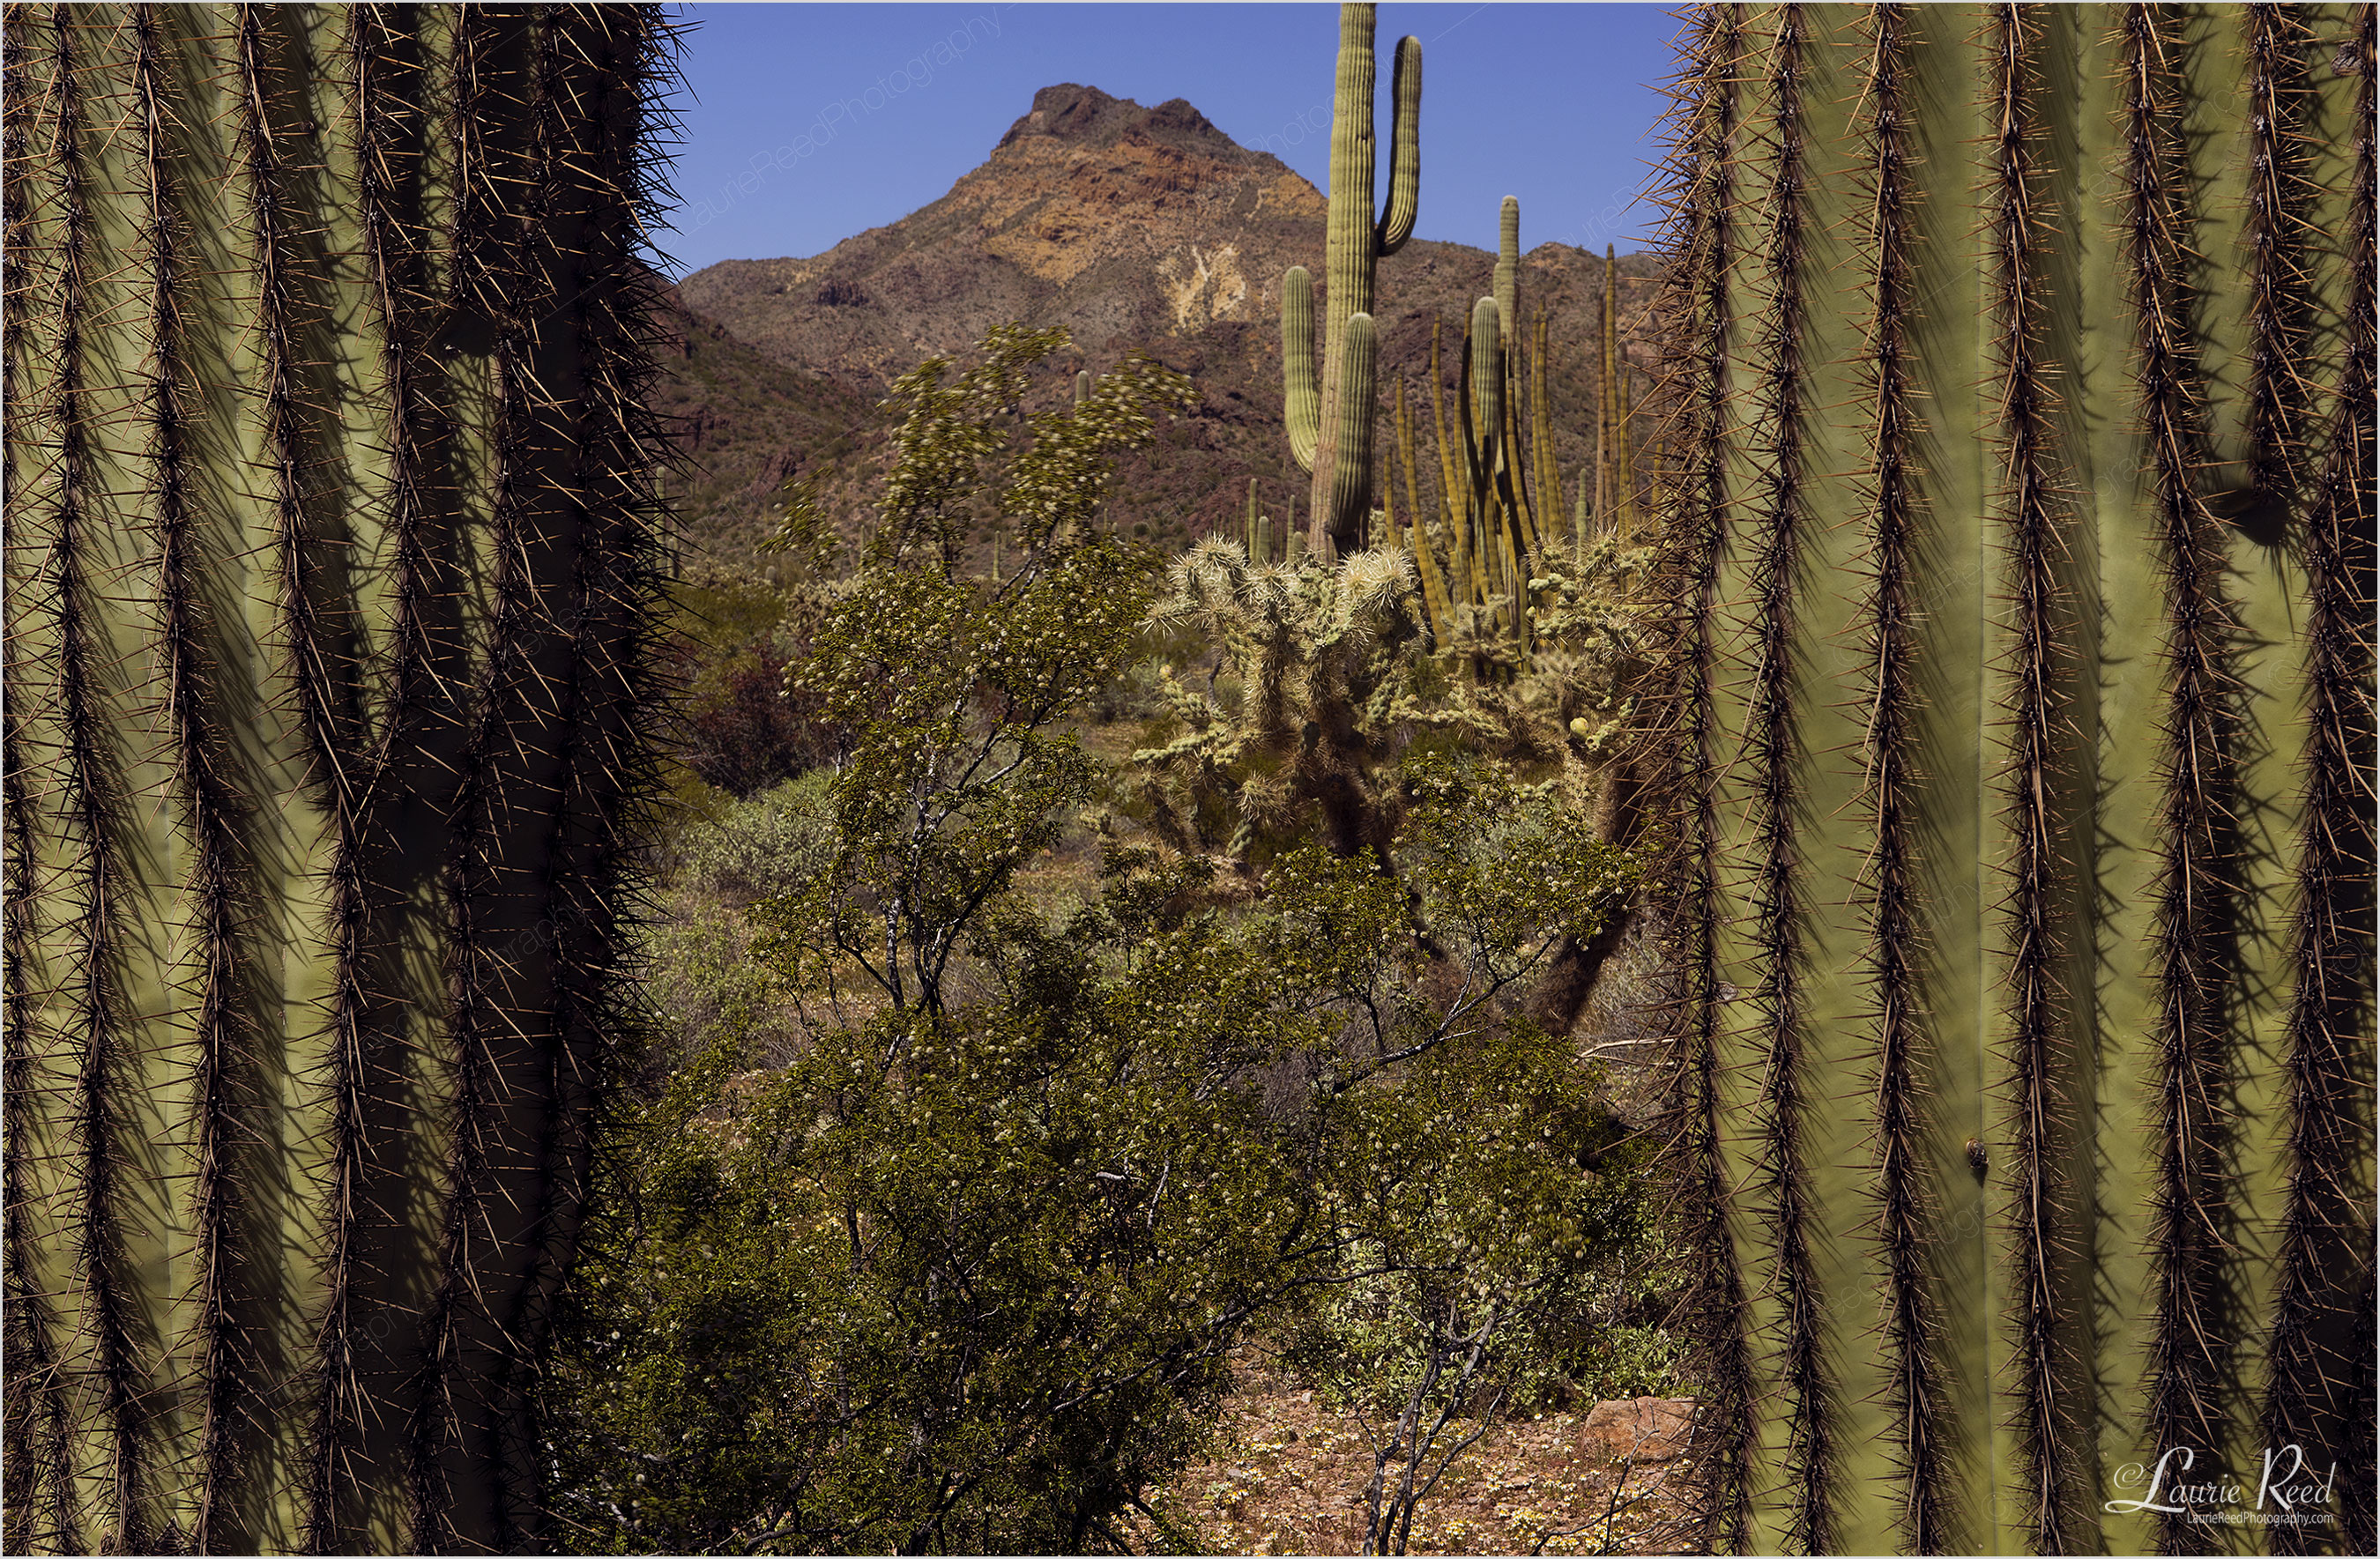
(331, 565)
(2023, 733)
(1325, 415)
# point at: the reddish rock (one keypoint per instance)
(1650, 1429)
(1136, 228)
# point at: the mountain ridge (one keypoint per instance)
(1140, 228)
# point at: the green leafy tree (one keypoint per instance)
(966, 1270)
(962, 771)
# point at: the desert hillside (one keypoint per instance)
(1134, 227)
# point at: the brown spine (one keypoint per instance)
(1701, 260)
(209, 803)
(95, 1003)
(2320, 1391)
(616, 59)
(484, 243)
(2186, 1366)
(36, 1495)
(2276, 40)
(2035, 713)
(1771, 749)
(1894, 916)
(373, 48)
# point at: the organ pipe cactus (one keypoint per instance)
(2022, 741)
(1335, 404)
(331, 567)
(1499, 485)
(1615, 469)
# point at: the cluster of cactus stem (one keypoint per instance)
(332, 568)
(1500, 506)
(1330, 415)
(2020, 729)
(1504, 543)
(1257, 539)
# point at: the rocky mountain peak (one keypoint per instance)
(1139, 229)
(1089, 118)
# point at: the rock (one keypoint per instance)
(1649, 1428)
(1135, 227)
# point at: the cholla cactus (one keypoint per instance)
(1312, 652)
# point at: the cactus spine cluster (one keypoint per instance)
(332, 562)
(2022, 735)
(1330, 417)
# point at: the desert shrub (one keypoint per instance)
(744, 731)
(962, 1268)
(763, 847)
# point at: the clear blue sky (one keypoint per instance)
(1555, 103)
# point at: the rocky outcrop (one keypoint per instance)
(1143, 228)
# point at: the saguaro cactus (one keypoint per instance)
(2022, 732)
(331, 565)
(1323, 413)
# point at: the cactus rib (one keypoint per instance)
(1770, 748)
(2275, 42)
(1702, 240)
(619, 589)
(95, 803)
(2321, 1386)
(1892, 781)
(209, 806)
(2184, 1369)
(37, 1498)
(2035, 716)
(485, 286)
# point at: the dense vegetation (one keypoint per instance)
(1014, 1065)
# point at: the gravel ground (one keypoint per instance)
(1290, 1478)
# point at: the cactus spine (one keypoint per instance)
(2062, 892)
(1342, 497)
(331, 559)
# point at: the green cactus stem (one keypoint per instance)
(1351, 436)
(1453, 513)
(1505, 286)
(1303, 406)
(2016, 497)
(1354, 243)
(1435, 601)
(332, 566)
(2331, 929)
(1545, 473)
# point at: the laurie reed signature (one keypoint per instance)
(2287, 1490)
